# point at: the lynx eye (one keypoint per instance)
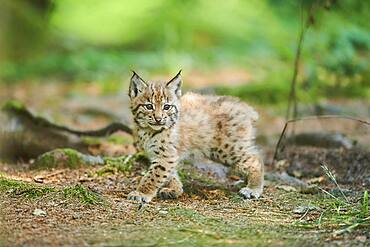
(166, 107)
(149, 107)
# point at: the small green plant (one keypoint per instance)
(122, 164)
(365, 204)
(115, 167)
(334, 180)
(84, 195)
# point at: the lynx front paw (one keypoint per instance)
(140, 197)
(248, 193)
(168, 193)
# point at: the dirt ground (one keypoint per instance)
(212, 217)
(87, 207)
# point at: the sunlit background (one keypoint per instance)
(243, 48)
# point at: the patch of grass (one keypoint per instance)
(19, 188)
(341, 217)
(32, 191)
(339, 214)
(84, 195)
(332, 177)
(122, 164)
(236, 198)
(185, 213)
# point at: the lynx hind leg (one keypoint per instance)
(172, 189)
(251, 167)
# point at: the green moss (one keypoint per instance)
(13, 188)
(13, 105)
(66, 157)
(120, 139)
(81, 193)
(113, 165)
(73, 159)
(18, 188)
(121, 164)
(91, 140)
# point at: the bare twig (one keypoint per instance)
(40, 179)
(347, 229)
(304, 215)
(305, 24)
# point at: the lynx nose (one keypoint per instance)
(158, 119)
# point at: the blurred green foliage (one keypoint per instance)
(97, 40)
(23, 27)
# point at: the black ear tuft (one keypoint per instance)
(137, 85)
(175, 84)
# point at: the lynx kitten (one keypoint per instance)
(169, 128)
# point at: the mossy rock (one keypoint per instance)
(66, 157)
(70, 158)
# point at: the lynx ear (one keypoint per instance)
(175, 84)
(137, 85)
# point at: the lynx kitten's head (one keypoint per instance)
(155, 105)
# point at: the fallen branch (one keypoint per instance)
(17, 110)
(25, 136)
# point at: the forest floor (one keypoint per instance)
(87, 206)
(79, 208)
